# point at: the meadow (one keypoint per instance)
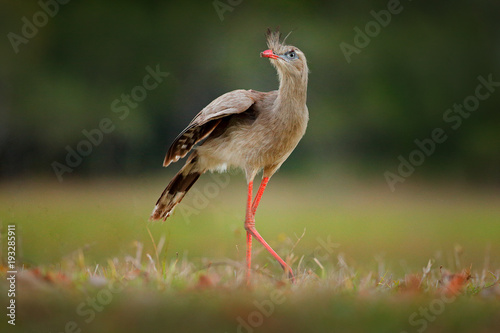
(421, 259)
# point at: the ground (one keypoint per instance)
(421, 259)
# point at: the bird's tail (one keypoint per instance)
(176, 189)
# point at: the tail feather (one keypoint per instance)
(176, 189)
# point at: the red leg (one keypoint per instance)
(251, 231)
(262, 187)
(283, 264)
(249, 220)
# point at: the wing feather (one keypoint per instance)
(206, 121)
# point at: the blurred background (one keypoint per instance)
(61, 77)
(364, 114)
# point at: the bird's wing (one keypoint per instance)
(206, 121)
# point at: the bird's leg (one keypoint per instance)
(249, 223)
(251, 231)
(260, 192)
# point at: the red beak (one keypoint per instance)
(268, 54)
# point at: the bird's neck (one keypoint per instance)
(292, 93)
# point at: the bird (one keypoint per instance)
(247, 129)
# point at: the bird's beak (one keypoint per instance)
(269, 54)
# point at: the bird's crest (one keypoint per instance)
(273, 41)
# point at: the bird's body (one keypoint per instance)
(246, 129)
(253, 140)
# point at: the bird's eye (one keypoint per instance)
(291, 55)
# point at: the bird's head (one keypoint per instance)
(288, 59)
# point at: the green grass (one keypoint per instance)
(80, 241)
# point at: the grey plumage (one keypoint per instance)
(247, 129)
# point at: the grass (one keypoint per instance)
(367, 260)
